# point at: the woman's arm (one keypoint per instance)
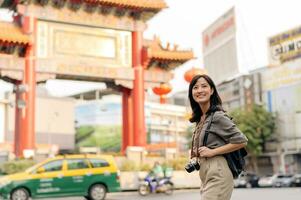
(227, 148)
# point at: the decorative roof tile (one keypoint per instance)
(170, 55)
(139, 4)
(157, 51)
(10, 32)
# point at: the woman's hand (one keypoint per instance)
(205, 152)
(208, 153)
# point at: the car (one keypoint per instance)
(283, 180)
(246, 180)
(91, 176)
(267, 180)
(297, 180)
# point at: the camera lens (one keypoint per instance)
(189, 168)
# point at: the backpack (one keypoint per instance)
(236, 159)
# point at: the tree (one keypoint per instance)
(189, 133)
(258, 125)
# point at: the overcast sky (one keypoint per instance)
(257, 20)
(183, 22)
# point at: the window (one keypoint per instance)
(77, 164)
(99, 163)
(53, 166)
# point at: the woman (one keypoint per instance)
(216, 177)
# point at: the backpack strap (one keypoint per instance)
(207, 130)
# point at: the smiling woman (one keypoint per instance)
(215, 135)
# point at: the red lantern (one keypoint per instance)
(193, 72)
(162, 90)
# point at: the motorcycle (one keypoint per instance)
(150, 185)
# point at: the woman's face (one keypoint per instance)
(201, 91)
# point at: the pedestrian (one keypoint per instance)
(216, 177)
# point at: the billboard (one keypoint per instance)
(286, 75)
(284, 47)
(99, 124)
(219, 47)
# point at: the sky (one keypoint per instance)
(257, 20)
(185, 20)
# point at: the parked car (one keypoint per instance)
(91, 176)
(284, 180)
(296, 180)
(246, 180)
(267, 181)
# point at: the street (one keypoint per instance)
(239, 194)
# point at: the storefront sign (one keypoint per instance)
(285, 47)
(281, 76)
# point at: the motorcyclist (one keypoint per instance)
(157, 172)
(157, 181)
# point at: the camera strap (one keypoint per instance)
(207, 131)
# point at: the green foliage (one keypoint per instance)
(189, 133)
(145, 167)
(12, 167)
(257, 124)
(176, 164)
(83, 133)
(128, 165)
(107, 137)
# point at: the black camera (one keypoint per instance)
(192, 165)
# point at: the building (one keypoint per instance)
(281, 94)
(241, 92)
(220, 52)
(281, 87)
(225, 50)
(54, 128)
(180, 98)
(166, 125)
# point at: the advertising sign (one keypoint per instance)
(287, 74)
(285, 47)
(219, 47)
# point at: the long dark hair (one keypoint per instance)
(215, 100)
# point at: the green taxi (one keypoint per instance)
(91, 176)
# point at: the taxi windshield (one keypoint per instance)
(32, 168)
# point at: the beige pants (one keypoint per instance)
(216, 177)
